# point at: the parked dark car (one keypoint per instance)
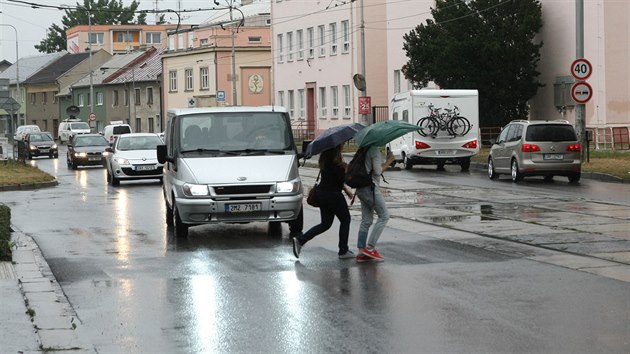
(87, 149)
(40, 144)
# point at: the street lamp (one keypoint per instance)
(17, 75)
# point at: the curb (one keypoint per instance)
(27, 187)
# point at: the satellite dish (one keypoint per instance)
(359, 82)
(73, 111)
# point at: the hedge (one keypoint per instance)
(5, 233)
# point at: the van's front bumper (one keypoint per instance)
(196, 211)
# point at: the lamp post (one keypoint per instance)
(241, 22)
(17, 76)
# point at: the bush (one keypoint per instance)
(5, 233)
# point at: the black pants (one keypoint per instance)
(331, 204)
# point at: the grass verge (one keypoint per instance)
(5, 233)
(15, 173)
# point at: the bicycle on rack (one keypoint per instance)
(449, 121)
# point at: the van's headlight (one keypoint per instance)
(289, 187)
(195, 190)
(120, 160)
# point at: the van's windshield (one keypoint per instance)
(236, 131)
(79, 125)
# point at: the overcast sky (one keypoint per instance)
(31, 24)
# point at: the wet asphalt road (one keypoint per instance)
(442, 288)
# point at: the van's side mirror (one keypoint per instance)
(161, 154)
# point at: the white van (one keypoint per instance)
(114, 129)
(70, 127)
(450, 122)
(230, 165)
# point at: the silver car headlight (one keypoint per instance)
(289, 186)
(80, 154)
(54, 146)
(195, 190)
(121, 161)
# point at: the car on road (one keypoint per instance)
(40, 144)
(132, 157)
(22, 130)
(116, 128)
(71, 127)
(536, 148)
(87, 149)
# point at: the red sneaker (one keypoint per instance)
(372, 253)
(362, 258)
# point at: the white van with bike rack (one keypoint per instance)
(450, 122)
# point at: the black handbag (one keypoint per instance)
(311, 198)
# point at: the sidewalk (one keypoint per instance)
(35, 316)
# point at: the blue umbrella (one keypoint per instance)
(331, 138)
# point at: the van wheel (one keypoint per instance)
(169, 214)
(492, 174)
(516, 175)
(408, 164)
(180, 230)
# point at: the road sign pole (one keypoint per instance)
(580, 114)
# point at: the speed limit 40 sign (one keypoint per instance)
(581, 69)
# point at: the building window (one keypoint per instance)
(334, 101)
(55, 98)
(333, 38)
(33, 98)
(345, 34)
(321, 32)
(188, 73)
(300, 44)
(180, 41)
(346, 101)
(289, 46)
(138, 125)
(149, 95)
(136, 97)
(281, 98)
(322, 102)
(44, 97)
(126, 97)
(124, 37)
(203, 42)
(95, 38)
(172, 81)
(254, 39)
(396, 81)
(81, 100)
(171, 42)
(99, 99)
(301, 103)
(280, 48)
(291, 98)
(310, 43)
(115, 98)
(151, 125)
(191, 39)
(204, 78)
(154, 38)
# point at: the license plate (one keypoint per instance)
(445, 152)
(242, 208)
(43, 150)
(145, 167)
(553, 157)
(96, 158)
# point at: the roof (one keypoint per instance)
(263, 7)
(26, 67)
(226, 109)
(50, 73)
(146, 67)
(111, 66)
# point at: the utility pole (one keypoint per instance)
(580, 114)
(364, 91)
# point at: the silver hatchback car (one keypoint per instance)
(536, 148)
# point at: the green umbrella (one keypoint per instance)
(381, 133)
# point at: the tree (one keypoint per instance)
(488, 45)
(103, 12)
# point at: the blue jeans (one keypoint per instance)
(371, 202)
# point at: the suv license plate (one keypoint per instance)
(553, 157)
(95, 158)
(242, 208)
(445, 152)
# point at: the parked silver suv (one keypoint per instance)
(536, 148)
